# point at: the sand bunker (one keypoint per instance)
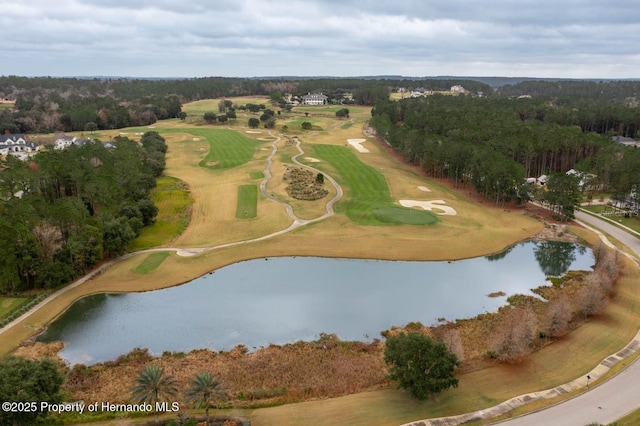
(253, 132)
(432, 205)
(357, 144)
(312, 160)
(424, 189)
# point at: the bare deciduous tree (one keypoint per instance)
(557, 317)
(451, 338)
(515, 334)
(591, 300)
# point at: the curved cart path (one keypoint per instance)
(297, 223)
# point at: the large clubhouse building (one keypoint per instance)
(314, 99)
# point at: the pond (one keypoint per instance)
(283, 300)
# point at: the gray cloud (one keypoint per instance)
(572, 38)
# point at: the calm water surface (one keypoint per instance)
(282, 300)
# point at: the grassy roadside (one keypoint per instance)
(632, 223)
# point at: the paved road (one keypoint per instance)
(609, 401)
(603, 404)
(619, 234)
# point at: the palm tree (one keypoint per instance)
(153, 386)
(204, 390)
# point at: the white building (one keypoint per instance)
(314, 99)
(67, 141)
(16, 144)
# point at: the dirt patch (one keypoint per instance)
(211, 163)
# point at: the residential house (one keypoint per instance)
(458, 89)
(17, 144)
(314, 99)
(625, 141)
(66, 141)
(585, 178)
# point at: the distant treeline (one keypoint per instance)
(66, 210)
(493, 144)
(46, 105)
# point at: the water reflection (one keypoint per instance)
(499, 256)
(257, 303)
(555, 257)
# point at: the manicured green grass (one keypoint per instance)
(325, 109)
(370, 202)
(346, 125)
(254, 174)
(247, 207)
(226, 148)
(298, 121)
(151, 262)
(172, 198)
(404, 216)
(9, 304)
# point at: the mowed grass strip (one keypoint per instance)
(255, 174)
(247, 206)
(173, 200)
(370, 201)
(9, 304)
(151, 262)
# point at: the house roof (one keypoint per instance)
(13, 137)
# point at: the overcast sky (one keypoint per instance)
(247, 38)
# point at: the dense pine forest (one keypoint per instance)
(494, 143)
(66, 210)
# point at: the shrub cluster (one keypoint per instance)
(304, 184)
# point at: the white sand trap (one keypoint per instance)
(312, 160)
(424, 189)
(253, 132)
(196, 139)
(357, 144)
(431, 206)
